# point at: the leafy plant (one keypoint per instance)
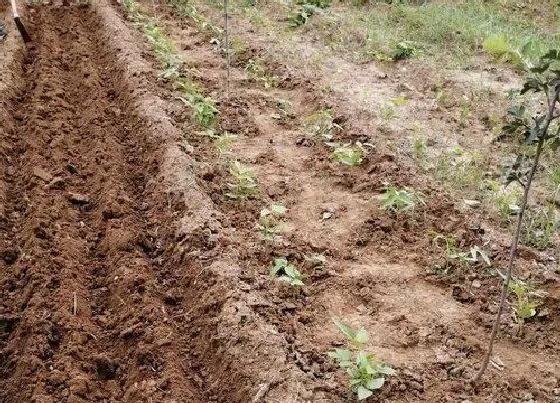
(540, 225)
(420, 150)
(204, 111)
(285, 271)
(365, 371)
(387, 112)
(223, 142)
(245, 185)
(504, 51)
(321, 124)
(526, 302)
(270, 221)
(544, 78)
(403, 50)
(300, 14)
(257, 72)
(455, 257)
(348, 154)
(402, 201)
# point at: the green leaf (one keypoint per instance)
(532, 84)
(361, 337)
(344, 329)
(341, 354)
(376, 383)
(278, 209)
(386, 370)
(363, 393)
(553, 54)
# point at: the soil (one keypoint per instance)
(127, 276)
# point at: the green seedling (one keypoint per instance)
(366, 372)
(420, 151)
(555, 182)
(348, 154)
(257, 72)
(526, 302)
(321, 124)
(503, 50)
(204, 112)
(387, 113)
(402, 201)
(455, 257)
(224, 142)
(540, 224)
(285, 271)
(507, 204)
(402, 50)
(398, 101)
(270, 222)
(299, 15)
(245, 183)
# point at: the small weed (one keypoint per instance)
(398, 101)
(387, 113)
(270, 222)
(506, 201)
(453, 255)
(554, 177)
(204, 112)
(504, 51)
(402, 50)
(257, 72)
(320, 124)
(285, 271)
(224, 142)
(420, 151)
(526, 302)
(245, 185)
(366, 372)
(402, 201)
(540, 224)
(348, 154)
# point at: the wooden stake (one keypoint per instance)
(226, 23)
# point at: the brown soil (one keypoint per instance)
(127, 276)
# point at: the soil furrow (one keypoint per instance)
(80, 244)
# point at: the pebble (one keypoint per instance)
(78, 198)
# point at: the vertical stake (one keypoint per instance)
(226, 23)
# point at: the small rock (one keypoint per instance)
(57, 183)
(476, 284)
(78, 198)
(42, 174)
(71, 168)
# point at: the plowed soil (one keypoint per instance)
(126, 276)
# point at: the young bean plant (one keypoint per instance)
(270, 222)
(366, 372)
(245, 183)
(348, 154)
(285, 271)
(398, 202)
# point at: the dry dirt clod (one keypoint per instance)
(78, 198)
(42, 174)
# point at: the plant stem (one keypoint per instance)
(515, 241)
(226, 23)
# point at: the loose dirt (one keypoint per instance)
(127, 276)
